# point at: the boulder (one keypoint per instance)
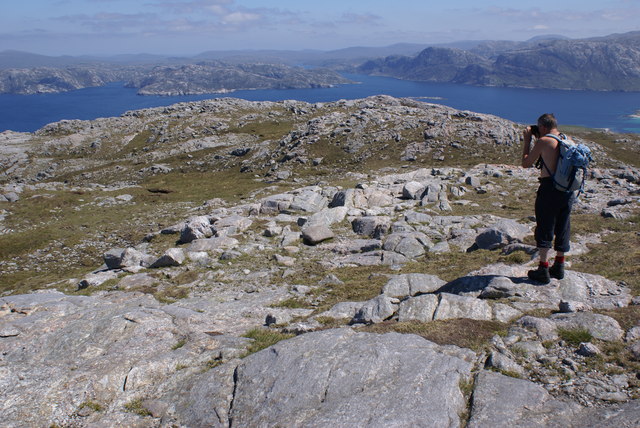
(171, 257)
(453, 306)
(503, 363)
(376, 310)
(419, 308)
(600, 326)
(96, 279)
(196, 228)
(119, 258)
(308, 201)
(343, 310)
(411, 284)
(410, 245)
(413, 190)
(328, 216)
(316, 234)
(212, 244)
(231, 225)
(544, 328)
(501, 234)
(276, 203)
(371, 226)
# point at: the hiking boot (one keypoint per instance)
(557, 271)
(541, 275)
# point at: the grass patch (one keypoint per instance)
(292, 303)
(627, 317)
(358, 284)
(179, 344)
(96, 407)
(623, 241)
(574, 336)
(463, 332)
(262, 339)
(135, 406)
(171, 295)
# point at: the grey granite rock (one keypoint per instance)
(212, 244)
(316, 234)
(600, 326)
(196, 228)
(500, 401)
(371, 226)
(411, 284)
(376, 310)
(418, 308)
(343, 378)
(501, 233)
(171, 257)
(454, 306)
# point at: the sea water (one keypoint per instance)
(610, 110)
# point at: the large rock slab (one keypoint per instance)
(502, 401)
(110, 349)
(343, 378)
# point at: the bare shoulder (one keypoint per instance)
(548, 142)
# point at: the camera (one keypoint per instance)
(535, 131)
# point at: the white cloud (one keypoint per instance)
(236, 18)
(540, 27)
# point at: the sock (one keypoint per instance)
(559, 259)
(544, 264)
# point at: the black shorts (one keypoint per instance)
(553, 211)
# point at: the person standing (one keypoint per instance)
(552, 206)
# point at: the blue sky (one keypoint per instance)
(185, 27)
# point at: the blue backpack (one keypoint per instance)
(573, 160)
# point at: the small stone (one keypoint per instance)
(588, 350)
(270, 320)
(568, 306)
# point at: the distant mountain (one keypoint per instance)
(201, 78)
(205, 78)
(606, 63)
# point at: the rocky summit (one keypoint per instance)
(356, 263)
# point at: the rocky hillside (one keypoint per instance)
(206, 78)
(201, 78)
(611, 63)
(171, 266)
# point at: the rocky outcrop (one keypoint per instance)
(188, 79)
(611, 63)
(206, 78)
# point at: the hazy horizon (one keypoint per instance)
(189, 27)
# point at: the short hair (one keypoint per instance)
(548, 120)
